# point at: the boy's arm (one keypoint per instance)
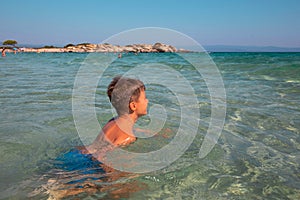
(143, 131)
(165, 132)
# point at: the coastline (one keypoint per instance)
(101, 48)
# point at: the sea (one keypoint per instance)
(256, 154)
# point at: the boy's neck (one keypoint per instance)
(126, 123)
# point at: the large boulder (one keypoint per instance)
(164, 48)
(129, 48)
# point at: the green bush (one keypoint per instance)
(69, 45)
(49, 47)
(10, 42)
(86, 43)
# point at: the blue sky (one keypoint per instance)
(209, 22)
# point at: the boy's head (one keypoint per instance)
(122, 91)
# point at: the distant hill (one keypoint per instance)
(228, 48)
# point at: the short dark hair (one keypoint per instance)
(122, 91)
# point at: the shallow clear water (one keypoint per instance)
(256, 157)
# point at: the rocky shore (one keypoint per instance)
(105, 48)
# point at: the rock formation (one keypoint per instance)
(87, 47)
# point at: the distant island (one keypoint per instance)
(231, 48)
(103, 48)
(139, 48)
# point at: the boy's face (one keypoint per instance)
(141, 104)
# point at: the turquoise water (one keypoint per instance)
(256, 157)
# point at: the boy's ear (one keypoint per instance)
(132, 106)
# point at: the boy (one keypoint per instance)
(128, 97)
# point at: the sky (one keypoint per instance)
(209, 22)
